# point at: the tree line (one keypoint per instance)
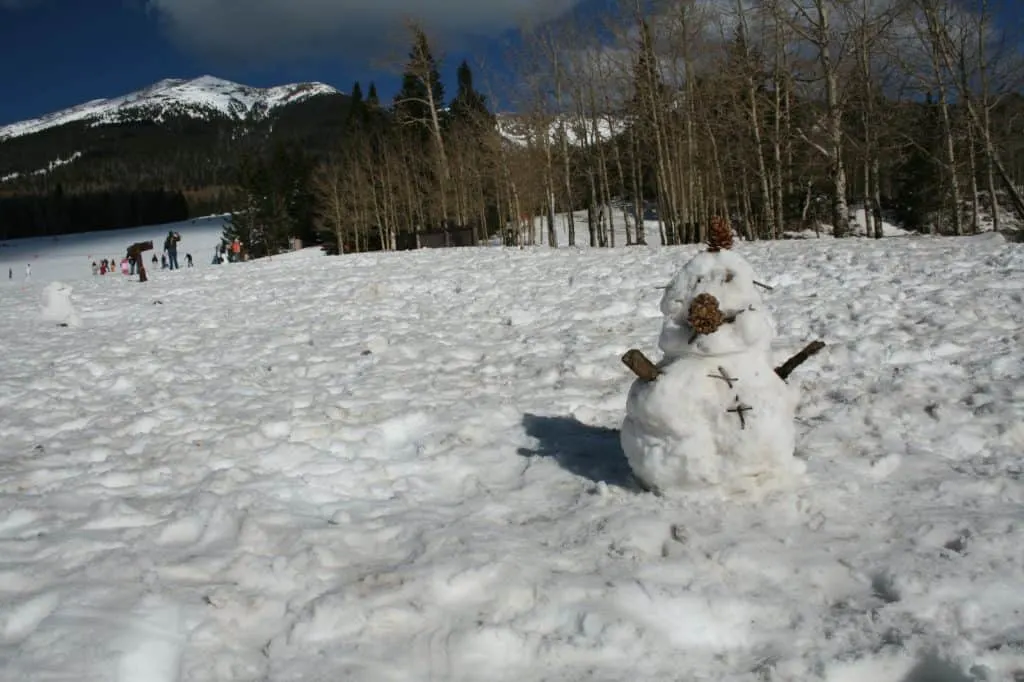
(778, 114)
(57, 213)
(422, 165)
(123, 172)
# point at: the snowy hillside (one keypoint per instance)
(404, 466)
(200, 98)
(519, 130)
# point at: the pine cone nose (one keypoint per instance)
(705, 315)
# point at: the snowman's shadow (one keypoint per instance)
(592, 452)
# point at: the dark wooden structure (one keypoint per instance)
(135, 251)
(436, 238)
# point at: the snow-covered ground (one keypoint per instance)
(858, 227)
(623, 223)
(405, 466)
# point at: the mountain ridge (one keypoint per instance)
(202, 98)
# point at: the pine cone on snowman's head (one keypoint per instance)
(719, 235)
(705, 315)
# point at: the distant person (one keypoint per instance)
(28, 271)
(163, 261)
(10, 273)
(171, 247)
(155, 260)
(95, 268)
(236, 249)
(188, 259)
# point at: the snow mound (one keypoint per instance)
(57, 306)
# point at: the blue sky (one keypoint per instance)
(58, 53)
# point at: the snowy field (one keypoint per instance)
(405, 467)
(70, 257)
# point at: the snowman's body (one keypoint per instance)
(717, 415)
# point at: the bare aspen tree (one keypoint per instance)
(972, 144)
(780, 119)
(751, 76)
(420, 70)
(812, 20)
(978, 24)
(652, 116)
(554, 98)
(984, 98)
(685, 31)
(330, 191)
(870, 22)
(930, 31)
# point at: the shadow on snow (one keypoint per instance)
(592, 452)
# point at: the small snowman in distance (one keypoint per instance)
(57, 305)
(714, 413)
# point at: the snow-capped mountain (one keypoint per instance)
(203, 98)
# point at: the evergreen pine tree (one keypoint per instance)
(421, 84)
(917, 178)
(275, 202)
(647, 102)
(469, 106)
(245, 220)
(357, 113)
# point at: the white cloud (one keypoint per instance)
(249, 29)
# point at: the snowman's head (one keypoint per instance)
(729, 278)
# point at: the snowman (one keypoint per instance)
(57, 305)
(714, 413)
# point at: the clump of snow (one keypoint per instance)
(455, 505)
(57, 305)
